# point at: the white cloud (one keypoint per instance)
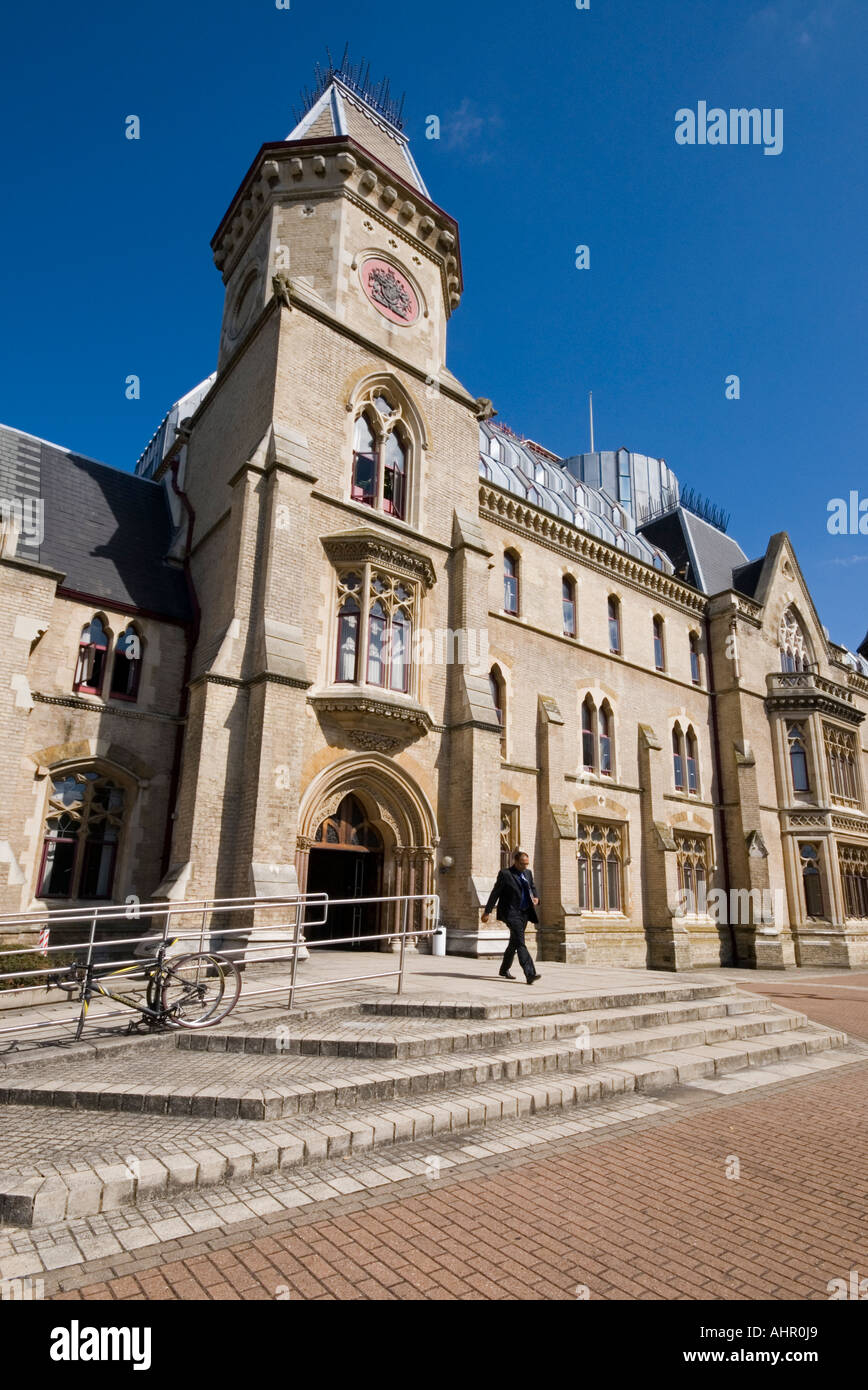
(802, 22)
(845, 561)
(471, 130)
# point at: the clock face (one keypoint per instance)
(390, 292)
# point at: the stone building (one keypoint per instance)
(345, 631)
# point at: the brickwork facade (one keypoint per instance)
(274, 741)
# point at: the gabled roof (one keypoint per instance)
(107, 531)
(340, 111)
(703, 555)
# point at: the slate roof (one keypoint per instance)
(107, 531)
(341, 111)
(747, 578)
(706, 557)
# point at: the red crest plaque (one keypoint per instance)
(390, 292)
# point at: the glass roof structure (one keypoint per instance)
(545, 482)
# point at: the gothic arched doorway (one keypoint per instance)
(346, 862)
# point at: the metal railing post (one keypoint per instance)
(293, 969)
(403, 947)
(85, 988)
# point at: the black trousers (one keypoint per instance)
(517, 925)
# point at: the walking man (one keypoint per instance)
(515, 895)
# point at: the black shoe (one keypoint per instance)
(532, 979)
(505, 975)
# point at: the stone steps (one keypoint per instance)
(404, 1039)
(264, 1088)
(219, 1107)
(93, 1186)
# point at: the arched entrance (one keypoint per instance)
(346, 861)
(388, 830)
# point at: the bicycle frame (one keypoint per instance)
(91, 985)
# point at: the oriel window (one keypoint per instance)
(375, 615)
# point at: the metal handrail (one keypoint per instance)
(301, 903)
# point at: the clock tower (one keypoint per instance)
(337, 218)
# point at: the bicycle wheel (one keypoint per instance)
(198, 991)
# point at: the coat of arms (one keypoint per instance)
(386, 288)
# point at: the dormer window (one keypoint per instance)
(92, 654)
(127, 666)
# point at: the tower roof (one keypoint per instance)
(344, 101)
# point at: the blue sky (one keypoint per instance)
(557, 130)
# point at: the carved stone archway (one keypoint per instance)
(400, 811)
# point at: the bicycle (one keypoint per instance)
(182, 992)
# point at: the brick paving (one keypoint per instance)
(628, 1199)
(839, 997)
(650, 1213)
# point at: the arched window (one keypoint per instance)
(497, 686)
(127, 666)
(692, 863)
(82, 831)
(381, 457)
(692, 763)
(364, 487)
(394, 475)
(92, 656)
(589, 736)
(604, 724)
(400, 651)
(597, 738)
(695, 666)
(795, 653)
(510, 582)
(798, 757)
(614, 626)
(810, 861)
(659, 648)
(841, 762)
(600, 859)
(382, 627)
(349, 615)
(568, 593)
(678, 757)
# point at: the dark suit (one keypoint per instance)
(507, 894)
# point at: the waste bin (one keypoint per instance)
(438, 942)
